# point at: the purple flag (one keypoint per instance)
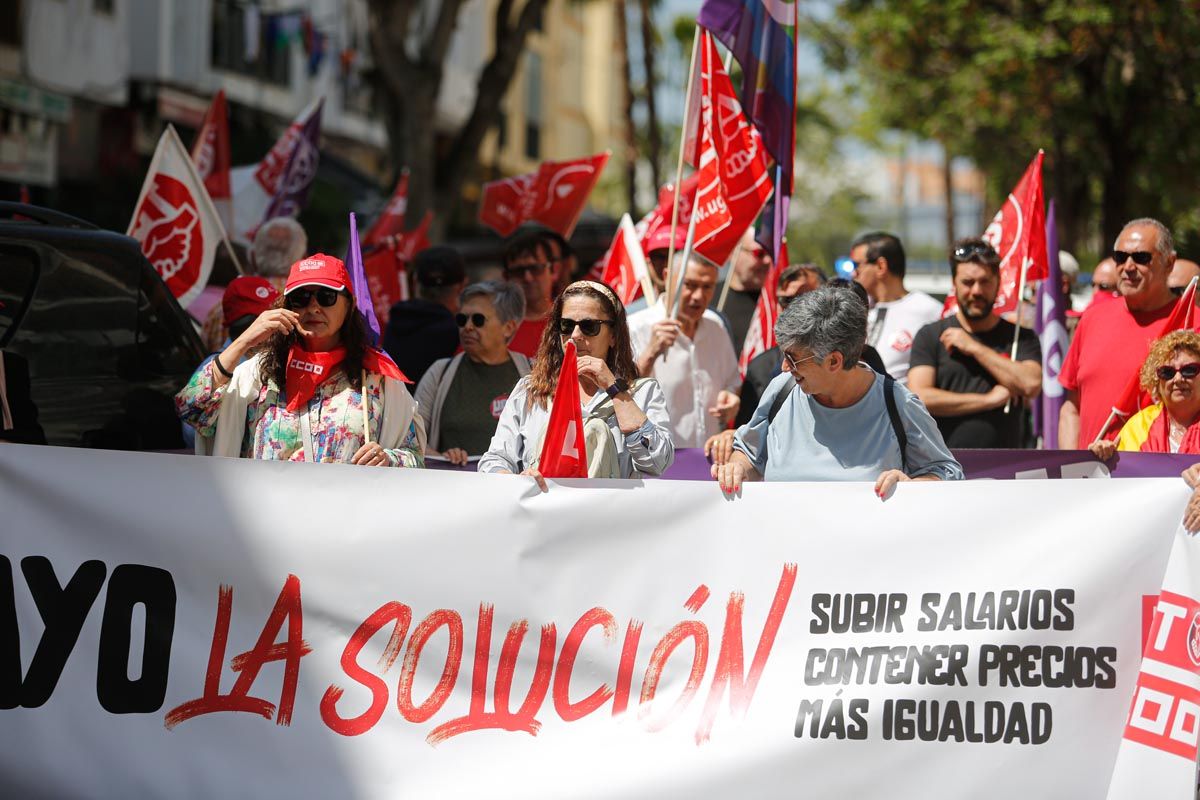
(291, 194)
(358, 284)
(772, 222)
(761, 34)
(1051, 327)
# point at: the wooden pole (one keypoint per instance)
(366, 409)
(687, 102)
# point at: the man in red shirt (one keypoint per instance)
(1113, 338)
(529, 264)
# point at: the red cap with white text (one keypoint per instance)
(318, 270)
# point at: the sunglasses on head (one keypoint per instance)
(1189, 371)
(590, 327)
(476, 319)
(972, 251)
(300, 298)
(522, 270)
(1142, 257)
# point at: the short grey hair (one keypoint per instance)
(1166, 242)
(507, 298)
(824, 321)
(278, 243)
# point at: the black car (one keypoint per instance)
(105, 343)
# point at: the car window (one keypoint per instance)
(18, 275)
(167, 344)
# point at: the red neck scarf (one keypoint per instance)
(306, 370)
(1158, 438)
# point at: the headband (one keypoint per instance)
(595, 287)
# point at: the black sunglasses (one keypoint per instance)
(971, 251)
(476, 319)
(590, 327)
(1177, 290)
(1142, 257)
(521, 270)
(300, 298)
(1188, 371)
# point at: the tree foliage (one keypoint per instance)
(1109, 90)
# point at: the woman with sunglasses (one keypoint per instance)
(1170, 375)
(462, 397)
(299, 394)
(632, 409)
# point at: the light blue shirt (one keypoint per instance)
(811, 442)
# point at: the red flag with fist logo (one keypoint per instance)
(563, 451)
(1018, 235)
(175, 220)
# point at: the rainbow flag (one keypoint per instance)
(761, 34)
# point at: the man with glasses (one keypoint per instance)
(1181, 275)
(960, 365)
(528, 263)
(749, 270)
(1113, 338)
(422, 330)
(1104, 283)
(691, 357)
(897, 314)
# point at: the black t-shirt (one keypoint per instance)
(473, 404)
(739, 310)
(962, 374)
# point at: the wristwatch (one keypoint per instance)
(617, 387)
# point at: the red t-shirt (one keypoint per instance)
(1109, 347)
(528, 336)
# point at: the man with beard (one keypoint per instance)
(961, 367)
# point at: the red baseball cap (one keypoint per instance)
(661, 238)
(318, 270)
(247, 295)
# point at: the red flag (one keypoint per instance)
(624, 265)
(554, 196)
(1133, 399)
(409, 243)
(210, 151)
(734, 178)
(391, 220)
(660, 216)
(383, 273)
(563, 452)
(760, 337)
(1018, 234)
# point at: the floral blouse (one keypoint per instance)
(334, 413)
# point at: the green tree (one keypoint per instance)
(1109, 90)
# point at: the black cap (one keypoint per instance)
(439, 266)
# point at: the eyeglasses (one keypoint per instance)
(785, 300)
(758, 252)
(300, 298)
(972, 251)
(1112, 287)
(1142, 257)
(519, 271)
(792, 363)
(476, 319)
(590, 327)
(1177, 290)
(1189, 371)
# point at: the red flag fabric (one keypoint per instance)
(1133, 399)
(563, 452)
(760, 337)
(391, 220)
(1018, 234)
(555, 196)
(175, 220)
(210, 153)
(624, 265)
(386, 266)
(378, 361)
(660, 215)
(735, 181)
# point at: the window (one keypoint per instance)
(231, 22)
(10, 22)
(533, 106)
(163, 342)
(103, 6)
(18, 276)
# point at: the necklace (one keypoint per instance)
(1175, 435)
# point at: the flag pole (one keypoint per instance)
(737, 251)
(1017, 327)
(687, 101)
(366, 401)
(212, 207)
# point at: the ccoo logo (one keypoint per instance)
(1193, 640)
(168, 225)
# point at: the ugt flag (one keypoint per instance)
(761, 34)
(278, 185)
(625, 264)
(210, 154)
(563, 452)
(555, 196)
(1051, 328)
(175, 220)
(1018, 234)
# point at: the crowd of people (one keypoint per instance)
(867, 381)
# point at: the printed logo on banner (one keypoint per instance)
(1193, 640)
(1165, 713)
(174, 238)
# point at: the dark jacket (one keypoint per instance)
(25, 429)
(418, 333)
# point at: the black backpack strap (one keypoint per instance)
(777, 404)
(889, 398)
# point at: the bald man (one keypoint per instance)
(1182, 274)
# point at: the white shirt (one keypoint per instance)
(891, 327)
(691, 372)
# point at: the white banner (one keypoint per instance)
(240, 628)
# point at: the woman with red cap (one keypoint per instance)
(299, 395)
